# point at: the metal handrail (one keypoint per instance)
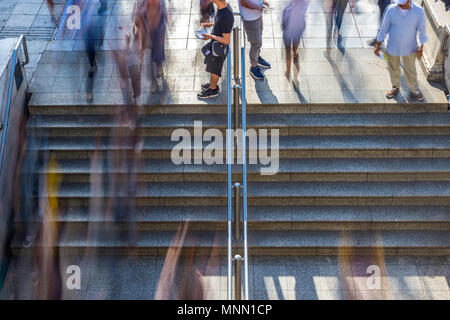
(239, 84)
(23, 41)
(244, 157)
(230, 191)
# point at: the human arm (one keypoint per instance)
(422, 34)
(384, 30)
(225, 38)
(248, 4)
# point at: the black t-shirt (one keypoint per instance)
(223, 22)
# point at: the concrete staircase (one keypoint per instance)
(356, 177)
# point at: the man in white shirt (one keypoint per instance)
(251, 13)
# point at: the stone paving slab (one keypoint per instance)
(349, 75)
(271, 277)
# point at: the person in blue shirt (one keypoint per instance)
(402, 22)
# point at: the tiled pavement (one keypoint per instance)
(281, 277)
(60, 67)
(354, 75)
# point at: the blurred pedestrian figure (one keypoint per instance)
(129, 63)
(220, 35)
(51, 8)
(293, 25)
(382, 5)
(103, 10)
(402, 22)
(335, 17)
(93, 30)
(156, 17)
(251, 14)
(206, 10)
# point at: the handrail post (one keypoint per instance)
(237, 277)
(236, 95)
(237, 211)
(236, 54)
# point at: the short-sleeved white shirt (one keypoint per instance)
(250, 14)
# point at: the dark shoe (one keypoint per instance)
(372, 42)
(256, 73)
(208, 94)
(417, 95)
(392, 93)
(263, 63)
(205, 86)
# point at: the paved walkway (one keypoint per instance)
(353, 74)
(275, 278)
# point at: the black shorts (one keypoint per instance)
(214, 64)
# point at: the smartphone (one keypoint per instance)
(199, 33)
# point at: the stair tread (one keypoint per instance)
(324, 165)
(285, 142)
(270, 239)
(278, 189)
(264, 120)
(294, 214)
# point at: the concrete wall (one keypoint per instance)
(15, 118)
(438, 34)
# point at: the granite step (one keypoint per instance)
(287, 124)
(261, 218)
(426, 146)
(392, 242)
(74, 103)
(270, 193)
(164, 170)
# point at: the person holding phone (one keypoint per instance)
(223, 24)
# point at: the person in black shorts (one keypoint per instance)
(223, 25)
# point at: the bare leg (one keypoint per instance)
(296, 62)
(213, 81)
(288, 62)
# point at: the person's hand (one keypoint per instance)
(206, 36)
(419, 52)
(266, 3)
(377, 50)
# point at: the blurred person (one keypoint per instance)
(293, 25)
(251, 14)
(51, 8)
(93, 30)
(47, 270)
(382, 5)
(402, 22)
(103, 10)
(155, 17)
(129, 63)
(221, 33)
(335, 17)
(206, 10)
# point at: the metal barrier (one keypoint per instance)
(240, 236)
(14, 60)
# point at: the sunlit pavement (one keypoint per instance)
(350, 74)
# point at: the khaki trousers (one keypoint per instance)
(409, 71)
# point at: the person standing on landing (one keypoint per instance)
(223, 24)
(402, 22)
(251, 13)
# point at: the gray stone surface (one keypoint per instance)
(344, 77)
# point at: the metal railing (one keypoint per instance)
(15, 58)
(239, 240)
